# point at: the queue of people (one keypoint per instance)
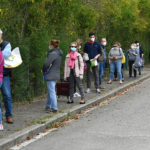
(88, 59)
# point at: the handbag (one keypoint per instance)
(14, 60)
(123, 60)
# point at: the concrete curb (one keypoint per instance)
(22, 135)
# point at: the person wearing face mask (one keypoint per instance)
(73, 71)
(115, 55)
(102, 61)
(93, 49)
(51, 70)
(140, 52)
(132, 53)
(79, 49)
(5, 48)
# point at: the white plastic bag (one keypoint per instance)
(85, 57)
(14, 60)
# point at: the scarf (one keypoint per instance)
(72, 58)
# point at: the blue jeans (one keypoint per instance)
(101, 71)
(51, 97)
(0, 106)
(6, 93)
(115, 65)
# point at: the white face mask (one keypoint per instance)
(132, 47)
(92, 39)
(104, 43)
(80, 47)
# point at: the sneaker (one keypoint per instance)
(98, 91)
(74, 95)
(48, 110)
(77, 94)
(1, 127)
(88, 90)
(101, 87)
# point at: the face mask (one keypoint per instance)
(73, 49)
(79, 47)
(92, 39)
(132, 47)
(104, 44)
(49, 48)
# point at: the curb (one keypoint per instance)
(22, 135)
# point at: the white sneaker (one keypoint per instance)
(77, 94)
(1, 127)
(98, 91)
(88, 90)
(74, 95)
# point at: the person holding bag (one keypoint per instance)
(51, 71)
(115, 56)
(73, 71)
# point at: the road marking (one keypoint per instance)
(39, 136)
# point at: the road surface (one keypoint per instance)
(121, 124)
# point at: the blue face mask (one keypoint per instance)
(73, 49)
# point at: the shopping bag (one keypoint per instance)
(14, 60)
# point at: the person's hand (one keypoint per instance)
(81, 77)
(65, 79)
(95, 58)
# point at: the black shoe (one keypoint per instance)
(70, 102)
(54, 111)
(48, 110)
(139, 73)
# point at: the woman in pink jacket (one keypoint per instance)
(74, 68)
(1, 81)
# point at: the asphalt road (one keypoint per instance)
(121, 124)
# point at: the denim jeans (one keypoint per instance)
(6, 93)
(0, 106)
(101, 71)
(115, 65)
(51, 97)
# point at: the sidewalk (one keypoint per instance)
(26, 115)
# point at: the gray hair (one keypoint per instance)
(1, 32)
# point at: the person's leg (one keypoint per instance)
(0, 107)
(88, 75)
(140, 70)
(115, 73)
(118, 65)
(96, 78)
(80, 86)
(6, 93)
(71, 85)
(130, 68)
(48, 102)
(122, 71)
(112, 70)
(101, 71)
(53, 98)
(75, 86)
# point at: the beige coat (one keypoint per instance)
(79, 66)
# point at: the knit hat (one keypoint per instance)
(1, 32)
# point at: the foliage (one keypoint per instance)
(30, 24)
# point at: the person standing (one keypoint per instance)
(102, 62)
(73, 71)
(140, 52)
(93, 49)
(51, 71)
(5, 47)
(132, 53)
(115, 56)
(1, 81)
(79, 49)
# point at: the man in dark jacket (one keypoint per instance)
(51, 71)
(5, 47)
(93, 49)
